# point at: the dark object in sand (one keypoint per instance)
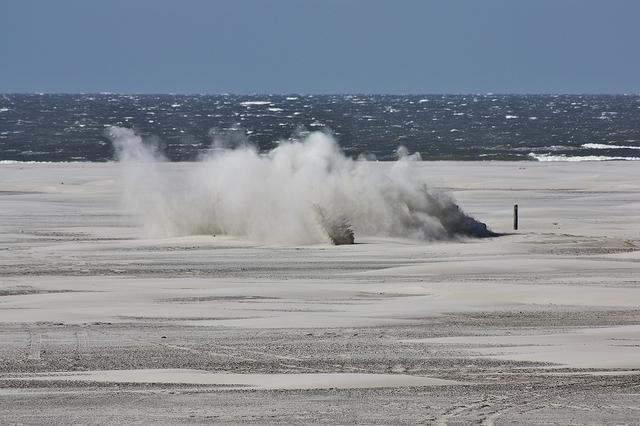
(337, 228)
(455, 222)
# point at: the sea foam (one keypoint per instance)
(605, 146)
(576, 158)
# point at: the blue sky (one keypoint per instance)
(320, 46)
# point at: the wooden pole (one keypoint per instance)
(515, 217)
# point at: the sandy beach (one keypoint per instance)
(101, 324)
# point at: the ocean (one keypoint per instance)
(60, 127)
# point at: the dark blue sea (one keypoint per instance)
(49, 127)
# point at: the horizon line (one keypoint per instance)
(308, 94)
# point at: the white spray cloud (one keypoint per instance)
(302, 192)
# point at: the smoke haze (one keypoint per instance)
(304, 191)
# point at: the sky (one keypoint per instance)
(320, 46)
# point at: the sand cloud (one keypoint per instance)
(304, 191)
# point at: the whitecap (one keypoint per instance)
(549, 157)
(9, 162)
(254, 103)
(605, 146)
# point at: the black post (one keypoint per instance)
(515, 217)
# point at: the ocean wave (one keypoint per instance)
(254, 103)
(549, 157)
(549, 148)
(605, 146)
(39, 162)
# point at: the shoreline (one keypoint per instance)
(590, 159)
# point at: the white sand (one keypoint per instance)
(607, 347)
(67, 255)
